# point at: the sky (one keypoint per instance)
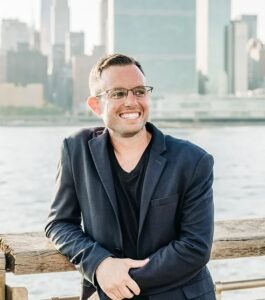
(85, 15)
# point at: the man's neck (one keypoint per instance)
(131, 144)
(128, 150)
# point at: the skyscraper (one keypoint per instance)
(255, 54)
(237, 60)
(80, 73)
(35, 40)
(212, 18)
(13, 33)
(74, 45)
(25, 66)
(45, 27)
(251, 21)
(103, 23)
(60, 74)
(60, 21)
(162, 35)
(2, 68)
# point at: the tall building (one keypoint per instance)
(56, 70)
(237, 59)
(251, 21)
(35, 40)
(81, 66)
(13, 32)
(74, 45)
(255, 54)
(45, 27)
(212, 18)
(262, 64)
(60, 21)
(162, 36)
(26, 66)
(2, 68)
(60, 81)
(80, 72)
(103, 23)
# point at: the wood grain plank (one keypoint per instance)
(31, 253)
(239, 238)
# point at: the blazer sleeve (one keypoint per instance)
(179, 261)
(64, 223)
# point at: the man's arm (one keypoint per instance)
(95, 263)
(64, 223)
(181, 259)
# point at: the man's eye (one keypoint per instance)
(117, 94)
(140, 92)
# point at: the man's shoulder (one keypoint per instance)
(187, 155)
(183, 145)
(83, 136)
(175, 146)
(184, 151)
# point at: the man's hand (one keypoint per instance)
(114, 279)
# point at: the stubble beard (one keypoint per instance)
(128, 134)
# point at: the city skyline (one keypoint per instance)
(85, 15)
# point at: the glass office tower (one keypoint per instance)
(45, 26)
(162, 36)
(212, 18)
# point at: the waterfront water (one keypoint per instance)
(28, 157)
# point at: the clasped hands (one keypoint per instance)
(114, 279)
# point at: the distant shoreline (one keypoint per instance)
(24, 121)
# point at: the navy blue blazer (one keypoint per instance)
(175, 223)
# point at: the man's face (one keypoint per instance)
(123, 117)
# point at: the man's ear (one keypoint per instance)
(94, 104)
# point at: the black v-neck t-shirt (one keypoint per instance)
(128, 187)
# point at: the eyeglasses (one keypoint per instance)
(122, 93)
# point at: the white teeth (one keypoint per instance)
(130, 116)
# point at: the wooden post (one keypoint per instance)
(2, 275)
(218, 290)
(15, 293)
(218, 296)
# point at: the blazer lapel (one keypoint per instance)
(99, 151)
(155, 167)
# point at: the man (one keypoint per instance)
(133, 208)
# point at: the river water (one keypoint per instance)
(28, 157)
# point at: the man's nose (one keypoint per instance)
(130, 99)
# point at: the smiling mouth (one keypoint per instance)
(130, 116)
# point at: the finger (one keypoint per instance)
(112, 296)
(133, 286)
(117, 294)
(113, 293)
(137, 263)
(126, 293)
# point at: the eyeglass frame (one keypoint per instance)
(147, 87)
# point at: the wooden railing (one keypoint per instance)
(32, 253)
